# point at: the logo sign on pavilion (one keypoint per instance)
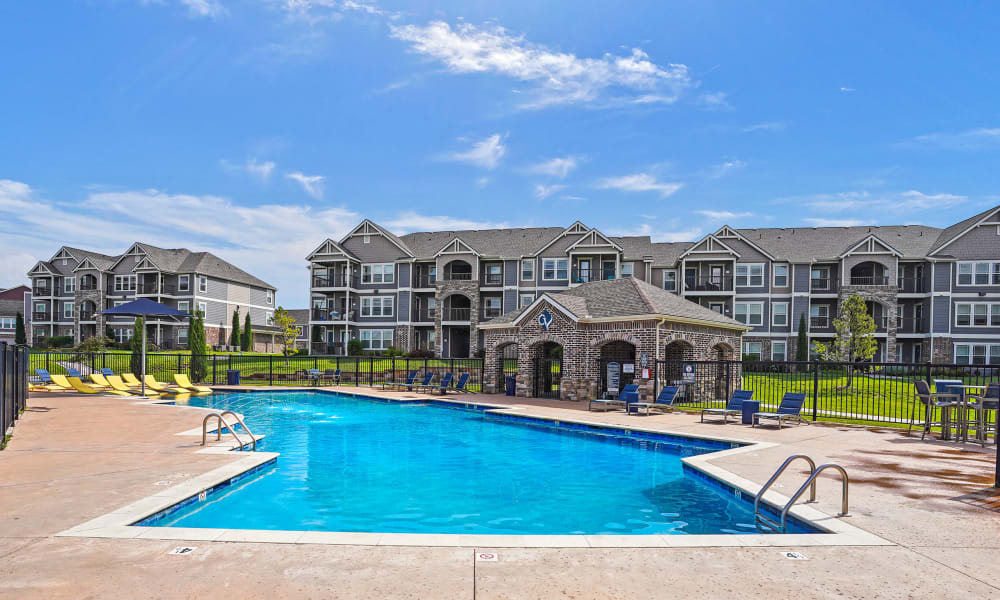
(545, 319)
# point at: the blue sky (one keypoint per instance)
(255, 129)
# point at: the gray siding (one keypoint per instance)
(981, 243)
(940, 319)
(403, 274)
(511, 272)
(800, 277)
(403, 306)
(800, 306)
(509, 300)
(377, 250)
(942, 277)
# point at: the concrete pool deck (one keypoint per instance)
(74, 458)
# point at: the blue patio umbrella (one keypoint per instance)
(144, 307)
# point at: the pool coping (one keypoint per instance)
(120, 523)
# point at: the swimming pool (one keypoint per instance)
(353, 464)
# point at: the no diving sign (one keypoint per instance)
(486, 557)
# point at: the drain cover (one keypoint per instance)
(794, 556)
(183, 550)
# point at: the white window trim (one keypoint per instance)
(381, 338)
(125, 283)
(988, 348)
(72, 282)
(665, 271)
(270, 297)
(385, 303)
(555, 269)
(972, 313)
(972, 264)
(68, 308)
(530, 263)
(203, 309)
(521, 300)
(774, 275)
(202, 284)
(186, 287)
(758, 353)
(749, 313)
(749, 276)
(184, 305)
(784, 355)
(382, 273)
(631, 270)
(774, 313)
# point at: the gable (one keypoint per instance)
(367, 230)
(327, 248)
(594, 239)
(710, 245)
(86, 265)
(726, 232)
(577, 228)
(456, 246)
(63, 254)
(145, 264)
(535, 309)
(40, 269)
(871, 245)
(992, 218)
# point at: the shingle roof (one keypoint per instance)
(101, 261)
(949, 232)
(507, 243)
(301, 315)
(818, 243)
(9, 308)
(628, 297)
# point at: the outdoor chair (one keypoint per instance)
(930, 401)
(117, 384)
(162, 388)
(131, 380)
(609, 402)
(183, 382)
(734, 407)
(47, 384)
(98, 381)
(989, 401)
(444, 383)
(71, 372)
(106, 372)
(399, 385)
(789, 410)
(331, 375)
(423, 384)
(83, 388)
(663, 401)
(459, 387)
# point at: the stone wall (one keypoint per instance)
(446, 288)
(887, 297)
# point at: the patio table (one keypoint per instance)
(980, 429)
(944, 386)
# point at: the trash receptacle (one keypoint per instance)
(232, 377)
(510, 384)
(749, 408)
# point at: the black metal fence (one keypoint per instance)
(843, 392)
(13, 386)
(264, 369)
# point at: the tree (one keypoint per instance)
(20, 337)
(802, 346)
(288, 330)
(135, 365)
(234, 335)
(246, 340)
(855, 339)
(109, 332)
(196, 343)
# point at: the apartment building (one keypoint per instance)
(934, 293)
(70, 290)
(13, 301)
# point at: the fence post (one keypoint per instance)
(214, 368)
(47, 367)
(270, 369)
(928, 374)
(178, 364)
(815, 390)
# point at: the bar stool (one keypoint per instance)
(931, 401)
(989, 401)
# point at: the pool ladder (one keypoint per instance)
(769, 525)
(224, 425)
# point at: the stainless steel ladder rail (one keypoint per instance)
(223, 423)
(845, 483)
(767, 522)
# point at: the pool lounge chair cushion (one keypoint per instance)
(614, 402)
(459, 387)
(664, 401)
(788, 410)
(733, 407)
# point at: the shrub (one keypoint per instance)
(196, 342)
(355, 348)
(58, 341)
(421, 354)
(98, 343)
(481, 353)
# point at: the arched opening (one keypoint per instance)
(458, 270)
(879, 314)
(620, 353)
(723, 351)
(457, 335)
(548, 370)
(869, 273)
(674, 355)
(506, 365)
(88, 310)
(88, 282)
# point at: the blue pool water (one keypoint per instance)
(350, 464)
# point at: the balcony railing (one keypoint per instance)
(40, 316)
(819, 322)
(425, 315)
(872, 280)
(322, 314)
(41, 291)
(710, 283)
(456, 314)
(494, 279)
(584, 275)
(335, 280)
(88, 316)
(823, 284)
(460, 276)
(912, 285)
(910, 325)
(424, 280)
(490, 313)
(88, 286)
(155, 288)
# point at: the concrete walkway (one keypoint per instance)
(75, 458)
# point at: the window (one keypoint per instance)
(977, 354)
(555, 268)
(964, 273)
(526, 299)
(376, 306)
(69, 285)
(184, 306)
(41, 307)
(123, 335)
(202, 308)
(375, 339)
(492, 307)
(779, 314)
(7, 323)
(380, 273)
(778, 351)
(751, 350)
(750, 275)
(182, 335)
(270, 297)
(979, 273)
(299, 329)
(977, 314)
(527, 270)
(781, 276)
(67, 310)
(124, 283)
(750, 313)
(183, 283)
(627, 269)
(494, 274)
(819, 315)
(820, 278)
(670, 281)
(202, 283)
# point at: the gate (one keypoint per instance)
(622, 353)
(548, 371)
(506, 366)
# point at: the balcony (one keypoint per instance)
(456, 314)
(709, 283)
(426, 315)
(490, 312)
(424, 280)
(492, 279)
(908, 325)
(41, 290)
(40, 317)
(912, 285)
(153, 287)
(337, 280)
(88, 316)
(578, 275)
(458, 276)
(823, 284)
(88, 286)
(870, 280)
(322, 314)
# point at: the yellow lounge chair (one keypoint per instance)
(83, 388)
(131, 380)
(162, 388)
(182, 381)
(98, 381)
(117, 384)
(61, 381)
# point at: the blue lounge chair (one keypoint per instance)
(460, 386)
(788, 410)
(410, 378)
(106, 371)
(734, 407)
(613, 402)
(664, 400)
(43, 374)
(445, 382)
(71, 372)
(314, 375)
(331, 374)
(428, 376)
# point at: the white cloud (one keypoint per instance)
(715, 101)
(556, 77)
(312, 184)
(721, 215)
(765, 126)
(723, 169)
(667, 233)
(887, 202)
(639, 182)
(822, 222)
(318, 11)
(573, 198)
(556, 167)
(972, 139)
(484, 153)
(543, 191)
(197, 8)
(259, 170)
(847, 90)
(411, 221)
